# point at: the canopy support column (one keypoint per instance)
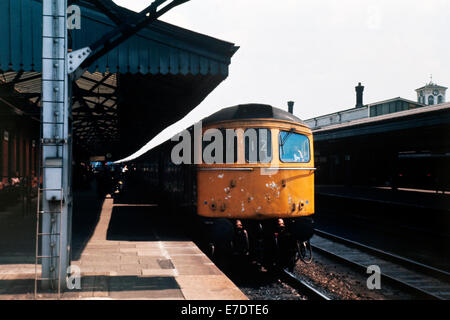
(56, 142)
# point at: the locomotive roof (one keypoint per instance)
(251, 111)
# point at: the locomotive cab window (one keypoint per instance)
(258, 145)
(294, 147)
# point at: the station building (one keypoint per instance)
(393, 143)
(430, 94)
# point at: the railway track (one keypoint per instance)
(421, 280)
(301, 286)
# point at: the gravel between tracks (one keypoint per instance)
(341, 282)
(275, 290)
(257, 285)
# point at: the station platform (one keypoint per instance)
(131, 252)
(425, 199)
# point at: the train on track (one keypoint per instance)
(247, 175)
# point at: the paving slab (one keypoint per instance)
(196, 288)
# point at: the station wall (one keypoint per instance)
(417, 159)
(19, 163)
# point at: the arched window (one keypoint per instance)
(430, 100)
(440, 99)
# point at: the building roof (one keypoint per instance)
(160, 48)
(367, 105)
(392, 100)
(387, 121)
(431, 85)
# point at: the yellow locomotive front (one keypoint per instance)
(280, 186)
(255, 185)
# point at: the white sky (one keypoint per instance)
(316, 52)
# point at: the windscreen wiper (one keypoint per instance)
(283, 141)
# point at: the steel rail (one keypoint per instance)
(432, 271)
(301, 286)
(389, 257)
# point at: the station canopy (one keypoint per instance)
(127, 96)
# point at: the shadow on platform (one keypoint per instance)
(143, 223)
(17, 234)
(113, 285)
(86, 214)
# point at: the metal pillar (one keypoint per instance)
(56, 143)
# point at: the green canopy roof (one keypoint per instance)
(160, 48)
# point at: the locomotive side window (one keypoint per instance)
(258, 145)
(294, 147)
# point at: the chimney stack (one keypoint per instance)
(359, 95)
(291, 107)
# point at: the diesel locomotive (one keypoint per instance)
(250, 184)
(259, 202)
